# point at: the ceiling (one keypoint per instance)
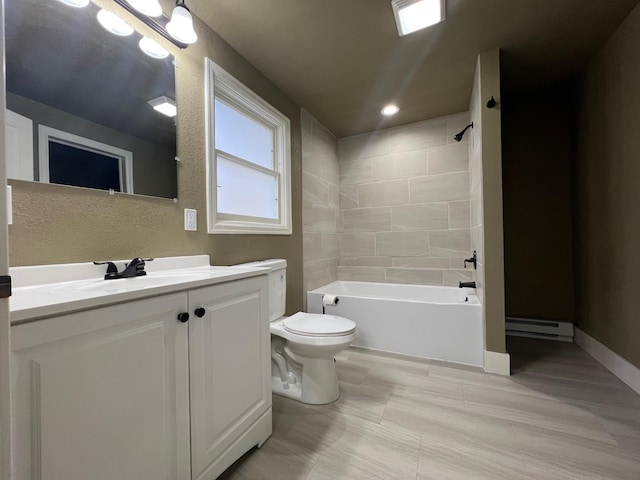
(342, 60)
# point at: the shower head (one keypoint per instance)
(458, 136)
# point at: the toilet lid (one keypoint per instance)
(314, 324)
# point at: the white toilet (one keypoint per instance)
(303, 345)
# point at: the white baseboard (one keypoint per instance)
(621, 368)
(495, 362)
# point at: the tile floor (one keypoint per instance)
(561, 415)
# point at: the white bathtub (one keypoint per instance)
(442, 323)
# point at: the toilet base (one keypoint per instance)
(319, 383)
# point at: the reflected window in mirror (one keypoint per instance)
(67, 73)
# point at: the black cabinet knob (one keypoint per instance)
(200, 312)
(183, 317)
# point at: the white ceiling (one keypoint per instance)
(342, 60)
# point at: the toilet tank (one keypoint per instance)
(277, 284)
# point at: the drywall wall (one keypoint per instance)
(607, 194)
(485, 157)
(56, 224)
(536, 180)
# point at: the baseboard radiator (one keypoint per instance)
(544, 329)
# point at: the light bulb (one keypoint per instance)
(75, 3)
(390, 110)
(152, 48)
(150, 8)
(181, 25)
(114, 24)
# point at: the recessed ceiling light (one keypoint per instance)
(76, 3)
(114, 24)
(164, 105)
(414, 15)
(390, 110)
(152, 48)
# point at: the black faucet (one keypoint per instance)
(473, 260)
(135, 268)
(467, 285)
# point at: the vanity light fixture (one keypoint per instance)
(164, 105)
(150, 8)
(179, 30)
(414, 15)
(76, 3)
(180, 26)
(152, 48)
(389, 110)
(114, 24)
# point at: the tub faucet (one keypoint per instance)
(467, 285)
(473, 260)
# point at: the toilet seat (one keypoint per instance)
(317, 325)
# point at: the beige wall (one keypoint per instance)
(319, 203)
(486, 195)
(607, 193)
(404, 204)
(54, 224)
(536, 143)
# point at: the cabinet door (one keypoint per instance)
(230, 369)
(103, 394)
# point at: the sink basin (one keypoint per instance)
(135, 283)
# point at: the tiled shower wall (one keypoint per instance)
(404, 204)
(320, 204)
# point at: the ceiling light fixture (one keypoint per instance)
(180, 26)
(152, 48)
(114, 24)
(76, 3)
(414, 15)
(179, 30)
(390, 110)
(164, 105)
(151, 8)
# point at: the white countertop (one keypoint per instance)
(81, 286)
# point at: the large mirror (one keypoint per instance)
(80, 103)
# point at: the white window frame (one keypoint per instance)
(124, 157)
(220, 84)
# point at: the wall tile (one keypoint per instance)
(384, 193)
(324, 142)
(455, 124)
(447, 159)
(452, 278)
(366, 145)
(400, 165)
(414, 276)
(425, 216)
(366, 220)
(366, 261)
(334, 196)
(402, 244)
(349, 197)
(311, 246)
(354, 172)
(427, 134)
(421, 262)
(324, 220)
(438, 188)
(450, 243)
(313, 163)
(314, 189)
(361, 274)
(357, 244)
(319, 273)
(459, 214)
(307, 215)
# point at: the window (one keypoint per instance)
(70, 159)
(248, 159)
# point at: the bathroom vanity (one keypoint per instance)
(165, 376)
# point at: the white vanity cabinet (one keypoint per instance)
(128, 391)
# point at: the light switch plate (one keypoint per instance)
(190, 220)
